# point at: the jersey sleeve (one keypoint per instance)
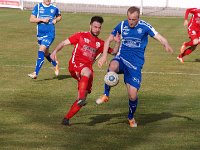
(151, 31)
(117, 29)
(35, 10)
(74, 39)
(57, 12)
(110, 50)
(188, 11)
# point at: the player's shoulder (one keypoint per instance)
(53, 5)
(100, 40)
(144, 24)
(81, 34)
(39, 4)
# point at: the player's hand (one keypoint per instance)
(169, 49)
(117, 38)
(46, 20)
(101, 61)
(54, 21)
(185, 23)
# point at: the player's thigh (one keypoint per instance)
(46, 42)
(133, 77)
(198, 34)
(114, 66)
(86, 71)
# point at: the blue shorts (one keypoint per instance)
(132, 73)
(47, 41)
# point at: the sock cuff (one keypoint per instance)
(133, 102)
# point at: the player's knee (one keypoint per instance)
(81, 102)
(195, 41)
(86, 72)
(114, 66)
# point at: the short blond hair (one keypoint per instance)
(133, 9)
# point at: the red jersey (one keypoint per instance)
(194, 23)
(86, 47)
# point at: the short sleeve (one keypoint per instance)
(117, 29)
(35, 10)
(74, 39)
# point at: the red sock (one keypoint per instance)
(73, 110)
(82, 87)
(186, 52)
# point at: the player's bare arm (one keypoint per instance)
(164, 42)
(103, 58)
(34, 19)
(117, 39)
(185, 23)
(57, 19)
(59, 47)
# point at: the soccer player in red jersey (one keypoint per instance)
(87, 47)
(193, 32)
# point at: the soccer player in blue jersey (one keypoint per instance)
(46, 15)
(130, 58)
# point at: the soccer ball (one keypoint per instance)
(111, 78)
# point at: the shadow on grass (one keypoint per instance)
(197, 60)
(59, 77)
(189, 61)
(143, 119)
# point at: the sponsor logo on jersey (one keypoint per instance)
(126, 30)
(86, 40)
(125, 27)
(41, 10)
(132, 42)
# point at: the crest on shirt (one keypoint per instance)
(97, 44)
(52, 11)
(125, 27)
(198, 14)
(86, 40)
(139, 30)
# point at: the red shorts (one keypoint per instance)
(193, 33)
(75, 71)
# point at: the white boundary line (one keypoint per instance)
(101, 70)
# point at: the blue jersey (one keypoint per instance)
(44, 11)
(133, 41)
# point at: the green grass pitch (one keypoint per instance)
(31, 111)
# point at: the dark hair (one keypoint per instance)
(133, 9)
(97, 19)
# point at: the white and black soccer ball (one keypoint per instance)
(111, 78)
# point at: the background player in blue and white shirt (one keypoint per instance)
(46, 15)
(130, 58)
